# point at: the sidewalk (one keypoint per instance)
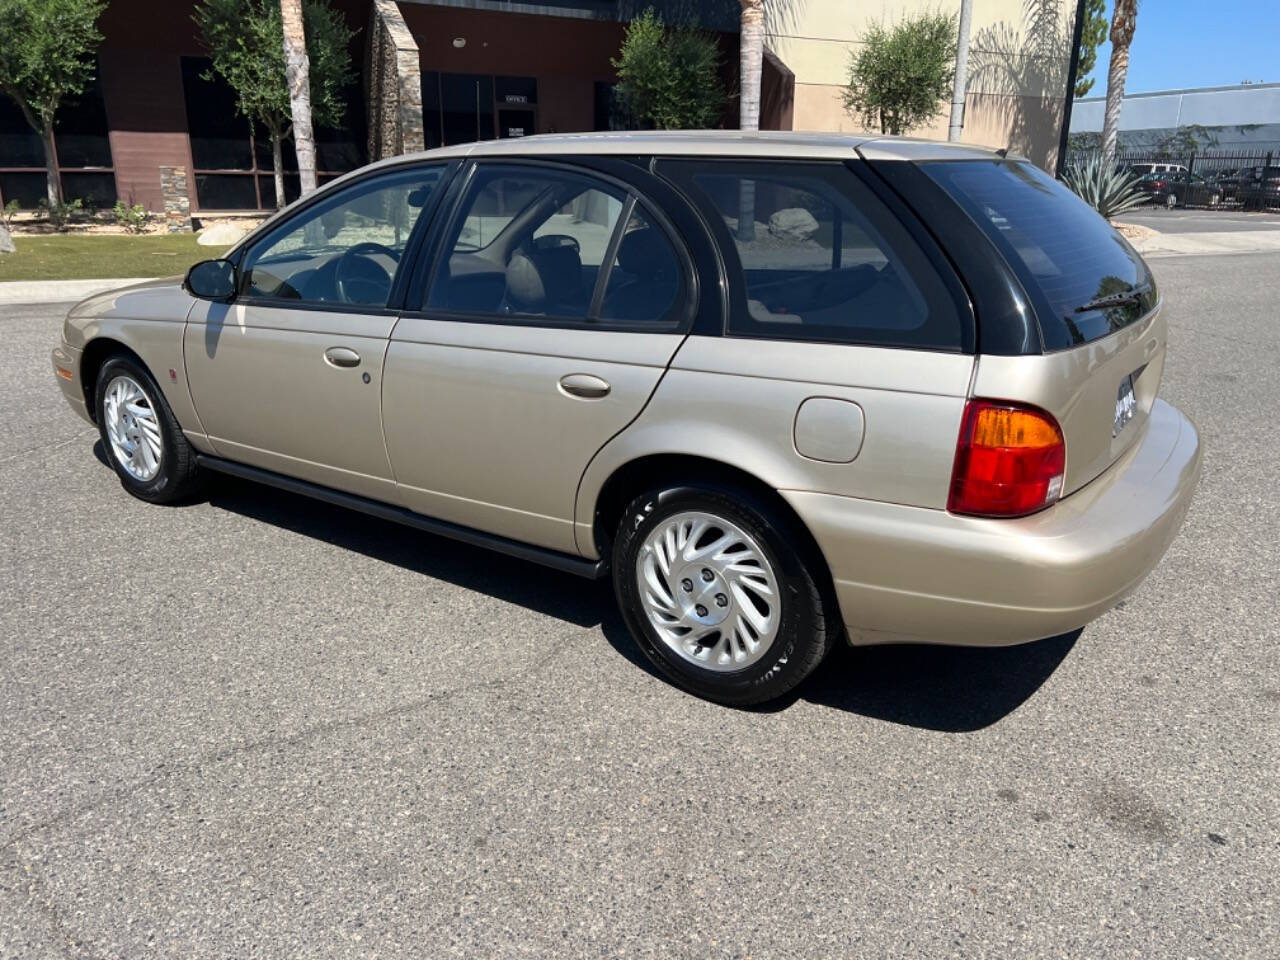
(1185, 244)
(60, 291)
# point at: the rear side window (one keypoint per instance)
(1086, 282)
(818, 257)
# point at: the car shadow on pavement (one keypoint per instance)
(950, 689)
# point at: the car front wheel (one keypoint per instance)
(140, 436)
(717, 595)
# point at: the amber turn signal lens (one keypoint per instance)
(1013, 427)
(63, 373)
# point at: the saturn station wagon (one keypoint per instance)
(786, 390)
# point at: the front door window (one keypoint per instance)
(345, 249)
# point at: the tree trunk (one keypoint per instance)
(277, 163)
(6, 241)
(1123, 24)
(53, 187)
(751, 66)
(297, 71)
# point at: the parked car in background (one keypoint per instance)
(1145, 169)
(1259, 187)
(1227, 180)
(913, 398)
(1181, 189)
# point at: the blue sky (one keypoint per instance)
(1190, 43)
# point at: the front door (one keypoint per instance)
(288, 376)
(555, 306)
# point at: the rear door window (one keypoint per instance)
(1085, 280)
(812, 255)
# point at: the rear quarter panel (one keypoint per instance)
(735, 400)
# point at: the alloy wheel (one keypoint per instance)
(133, 428)
(709, 591)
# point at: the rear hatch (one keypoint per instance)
(1095, 303)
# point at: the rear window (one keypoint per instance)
(1066, 256)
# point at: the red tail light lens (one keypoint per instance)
(1010, 461)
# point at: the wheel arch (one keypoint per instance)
(96, 353)
(630, 479)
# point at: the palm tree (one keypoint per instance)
(1124, 21)
(751, 53)
(297, 71)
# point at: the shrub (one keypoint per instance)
(133, 217)
(60, 214)
(7, 214)
(1104, 187)
(668, 77)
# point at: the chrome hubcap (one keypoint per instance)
(132, 427)
(708, 591)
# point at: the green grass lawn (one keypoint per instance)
(70, 257)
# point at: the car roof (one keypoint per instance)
(780, 144)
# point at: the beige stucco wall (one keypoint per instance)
(1019, 54)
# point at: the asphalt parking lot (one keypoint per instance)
(257, 726)
(1183, 220)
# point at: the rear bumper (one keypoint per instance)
(66, 369)
(910, 574)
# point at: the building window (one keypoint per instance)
(231, 158)
(81, 147)
(463, 107)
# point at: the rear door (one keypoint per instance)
(556, 300)
(1098, 312)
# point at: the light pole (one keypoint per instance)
(962, 71)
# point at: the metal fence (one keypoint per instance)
(1231, 179)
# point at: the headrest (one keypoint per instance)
(537, 278)
(645, 253)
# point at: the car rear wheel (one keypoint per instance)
(140, 436)
(717, 595)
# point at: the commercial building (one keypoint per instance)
(1244, 116)
(452, 71)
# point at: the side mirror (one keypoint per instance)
(212, 280)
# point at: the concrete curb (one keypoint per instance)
(60, 291)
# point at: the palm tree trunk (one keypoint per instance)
(751, 66)
(277, 163)
(297, 70)
(1123, 24)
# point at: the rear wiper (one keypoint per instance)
(1115, 299)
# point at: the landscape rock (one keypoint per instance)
(793, 223)
(6, 241)
(221, 234)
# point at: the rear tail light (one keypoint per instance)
(1010, 460)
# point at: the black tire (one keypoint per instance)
(805, 633)
(178, 474)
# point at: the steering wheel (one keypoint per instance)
(362, 280)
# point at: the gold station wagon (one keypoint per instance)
(785, 389)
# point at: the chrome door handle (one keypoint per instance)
(342, 357)
(584, 386)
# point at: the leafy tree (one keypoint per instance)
(244, 39)
(1092, 34)
(903, 73)
(668, 77)
(46, 56)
